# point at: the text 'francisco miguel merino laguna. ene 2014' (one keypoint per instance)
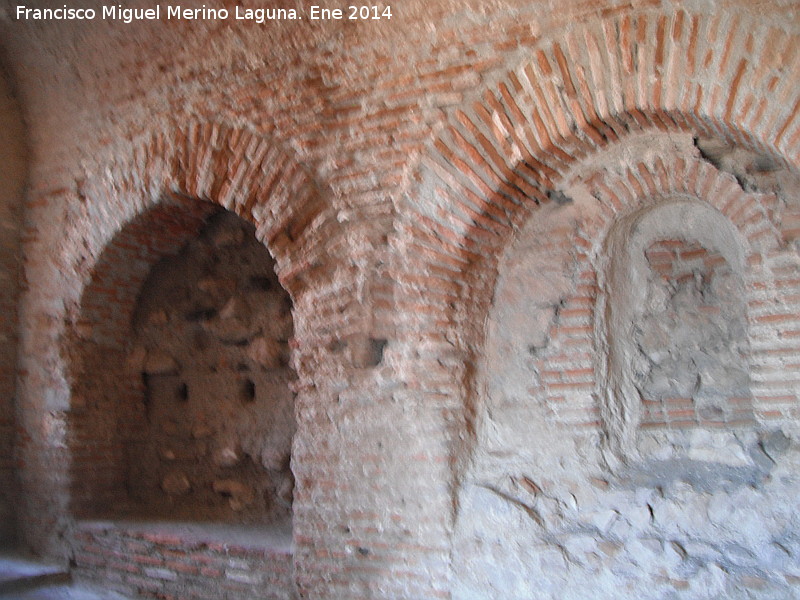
(155, 13)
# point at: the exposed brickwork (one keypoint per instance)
(565, 366)
(102, 341)
(512, 144)
(741, 208)
(166, 565)
(387, 169)
(678, 266)
(678, 260)
(520, 137)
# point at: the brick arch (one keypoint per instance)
(222, 166)
(756, 229)
(236, 169)
(569, 373)
(566, 383)
(214, 162)
(580, 91)
(621, 192)
(689, 225)
(514, 144)
(512, 147)
(146, 204)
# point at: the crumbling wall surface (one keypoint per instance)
(212, 329)
(12, 176)
(677, 340)
(692, 334)
(107, 388)
(669, 472)
(183, 415)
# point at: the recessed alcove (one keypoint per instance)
(654, 314)
(673, 323)
(183, 406)
(691, 338)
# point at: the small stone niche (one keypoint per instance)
(672, 330)
(691, 338)
(211, 336)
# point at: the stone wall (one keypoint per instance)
(168, 561)
(109, 415)
(692, 338)
(211, 330)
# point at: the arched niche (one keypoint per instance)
(182, 389)
(672, 321)
(539, 503)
